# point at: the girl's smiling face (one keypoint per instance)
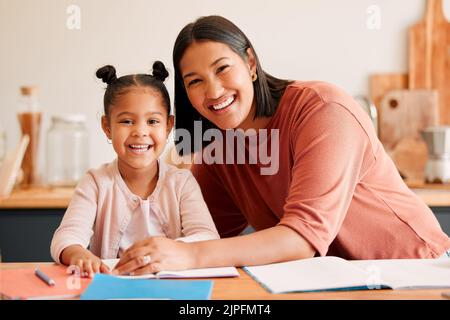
(219, 83)
(138, 126)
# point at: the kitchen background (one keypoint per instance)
(363, 46)
(57, 45)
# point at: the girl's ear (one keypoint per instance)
(251, 61)
(170, 123)
(105, 127)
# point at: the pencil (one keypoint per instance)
(44, 277)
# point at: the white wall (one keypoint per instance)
(297, 39)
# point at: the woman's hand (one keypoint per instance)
(155, 254)
(85, 261)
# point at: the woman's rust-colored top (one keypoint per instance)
(334, 185)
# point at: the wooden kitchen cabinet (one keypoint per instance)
(28, 219)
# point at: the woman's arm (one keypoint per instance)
(271, 245)
(276, 244)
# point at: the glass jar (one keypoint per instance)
(29, 116)
(67, 150)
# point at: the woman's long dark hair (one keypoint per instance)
(268, 89)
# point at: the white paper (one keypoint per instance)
(191, 273)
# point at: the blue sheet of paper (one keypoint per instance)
(109, 287)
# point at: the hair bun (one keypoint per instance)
(107, 74)
(159, 71)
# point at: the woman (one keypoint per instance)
(335, 190)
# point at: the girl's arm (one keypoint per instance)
(85, 261)
(76, 228)
(71, 239)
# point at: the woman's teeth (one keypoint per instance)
(224, 104)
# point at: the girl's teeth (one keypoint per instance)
(224, 104)
(139, 147)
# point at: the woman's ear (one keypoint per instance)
(105, 127)
(251, 61)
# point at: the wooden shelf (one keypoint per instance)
(434, 195)
(421, 184)
(38, 198)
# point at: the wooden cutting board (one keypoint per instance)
(404, 114)
(410, 156)
(380, 84)
(11, 166)
(429, 56)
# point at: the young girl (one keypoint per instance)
(135, 197)
(336, 191)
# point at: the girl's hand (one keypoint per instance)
(162, 254)
(86, 262)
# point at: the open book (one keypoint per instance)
(333, 273)
(191, 273)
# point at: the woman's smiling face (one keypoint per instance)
(219, 83)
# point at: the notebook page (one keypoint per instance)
(409, 273)
(315, 274)
(191, 273)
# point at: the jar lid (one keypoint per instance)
(29, 90)
(70, 118)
